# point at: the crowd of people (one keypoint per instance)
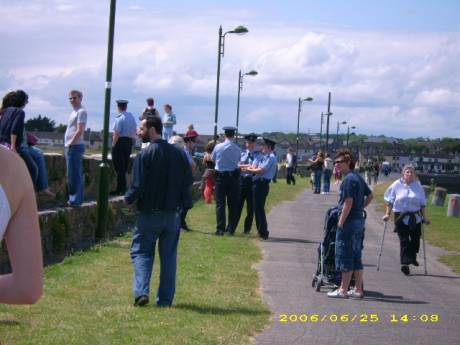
(162, 177)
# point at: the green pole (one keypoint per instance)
(219, 55)
(240, 84)
(103, 192)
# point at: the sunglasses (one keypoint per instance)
(72, 98)
(340, 161)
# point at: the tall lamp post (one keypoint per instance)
(321, 132)
(348, 132)
(337, 135)
(308, 99)
(103, 192)
(240, 87)
(220, 53)
(328, 114)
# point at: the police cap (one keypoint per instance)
(251, 137)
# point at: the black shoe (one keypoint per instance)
(264, 236)
(141, 301)
(246, 232)
(185, 227)
(219, 233)
(415, 263)
(405, 269)
(115, 193)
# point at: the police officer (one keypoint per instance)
(124, 132)
(227, 156)
(246, 195)
(264, 169)
(189, 146)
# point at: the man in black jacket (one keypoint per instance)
(161, 181)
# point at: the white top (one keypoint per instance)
(328, 163)
(75, 118)
(406, 197)
(289, 160)
(5, 212)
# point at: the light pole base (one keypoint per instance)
(102, 202)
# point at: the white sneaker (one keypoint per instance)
(352, 293)
(337, 294)
(323, 193)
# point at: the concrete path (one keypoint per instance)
(290, 258)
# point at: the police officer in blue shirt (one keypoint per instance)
(227, 156)
(246, 195)
(124, 132)
(264, 169)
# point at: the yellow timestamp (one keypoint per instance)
(357, 318)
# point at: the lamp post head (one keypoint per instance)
(252, 73)
(328, 114)
(344, 122)
(241, 30)
(353, 127)
(308, 99)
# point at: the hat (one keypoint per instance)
(229, 129)
(121, 101)
(190, 137)
(269, 142)
(251, 137)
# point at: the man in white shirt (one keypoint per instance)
(74, 149)
(290, 166)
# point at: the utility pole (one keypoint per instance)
(327, 123)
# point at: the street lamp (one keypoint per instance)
(240, 87)
(308, 99)
(337, 136)
(348, 132)
(327, 122)
(220, 53)
(103, 183)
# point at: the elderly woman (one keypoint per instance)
(406, 198)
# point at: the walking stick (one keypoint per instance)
(381, 245)
(424, 251)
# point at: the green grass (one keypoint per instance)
(443, 231)
(87, 298)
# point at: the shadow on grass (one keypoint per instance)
(8, 323)
(202, 309)
(289, 240)
(380, 297)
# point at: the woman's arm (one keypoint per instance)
(347, 204)
(25, 284)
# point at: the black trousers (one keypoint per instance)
(409, 241)
(121, 153)
(226, 192)
(261, 189)
(246, 195)
(290, 175)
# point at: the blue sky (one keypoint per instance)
(392, 66)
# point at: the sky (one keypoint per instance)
(392, 67)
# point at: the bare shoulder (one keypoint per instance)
(14, 177)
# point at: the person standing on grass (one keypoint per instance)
(290, 166)
(355, 195)
(161, 178)
(75, 148)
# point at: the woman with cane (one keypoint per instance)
(406, 198)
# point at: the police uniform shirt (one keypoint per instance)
(125, 125)
(268, 163)
(248, 157)
(226, 155)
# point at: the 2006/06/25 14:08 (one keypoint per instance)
(360, 318)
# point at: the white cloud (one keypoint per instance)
(376, 78)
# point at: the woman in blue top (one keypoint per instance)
(355, 195)
(406, 198)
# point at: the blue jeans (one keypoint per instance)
(327, 180)
(75, 181)
(164, 227)
(349, 246)
(42, 178)
(318, 173)
(167, 133)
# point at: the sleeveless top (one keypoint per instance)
(5, 212)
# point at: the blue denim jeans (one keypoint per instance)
(75, 181)
(318, 173)
(327, 180)
(167, 133)
(164, 227)
(42, 178)
(349, 246)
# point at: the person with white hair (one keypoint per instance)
(406, 198)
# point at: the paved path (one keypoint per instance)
(290, 258)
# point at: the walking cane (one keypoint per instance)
(424, 251)
(381, 245)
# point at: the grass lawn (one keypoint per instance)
(443, 231)
(88, 300)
